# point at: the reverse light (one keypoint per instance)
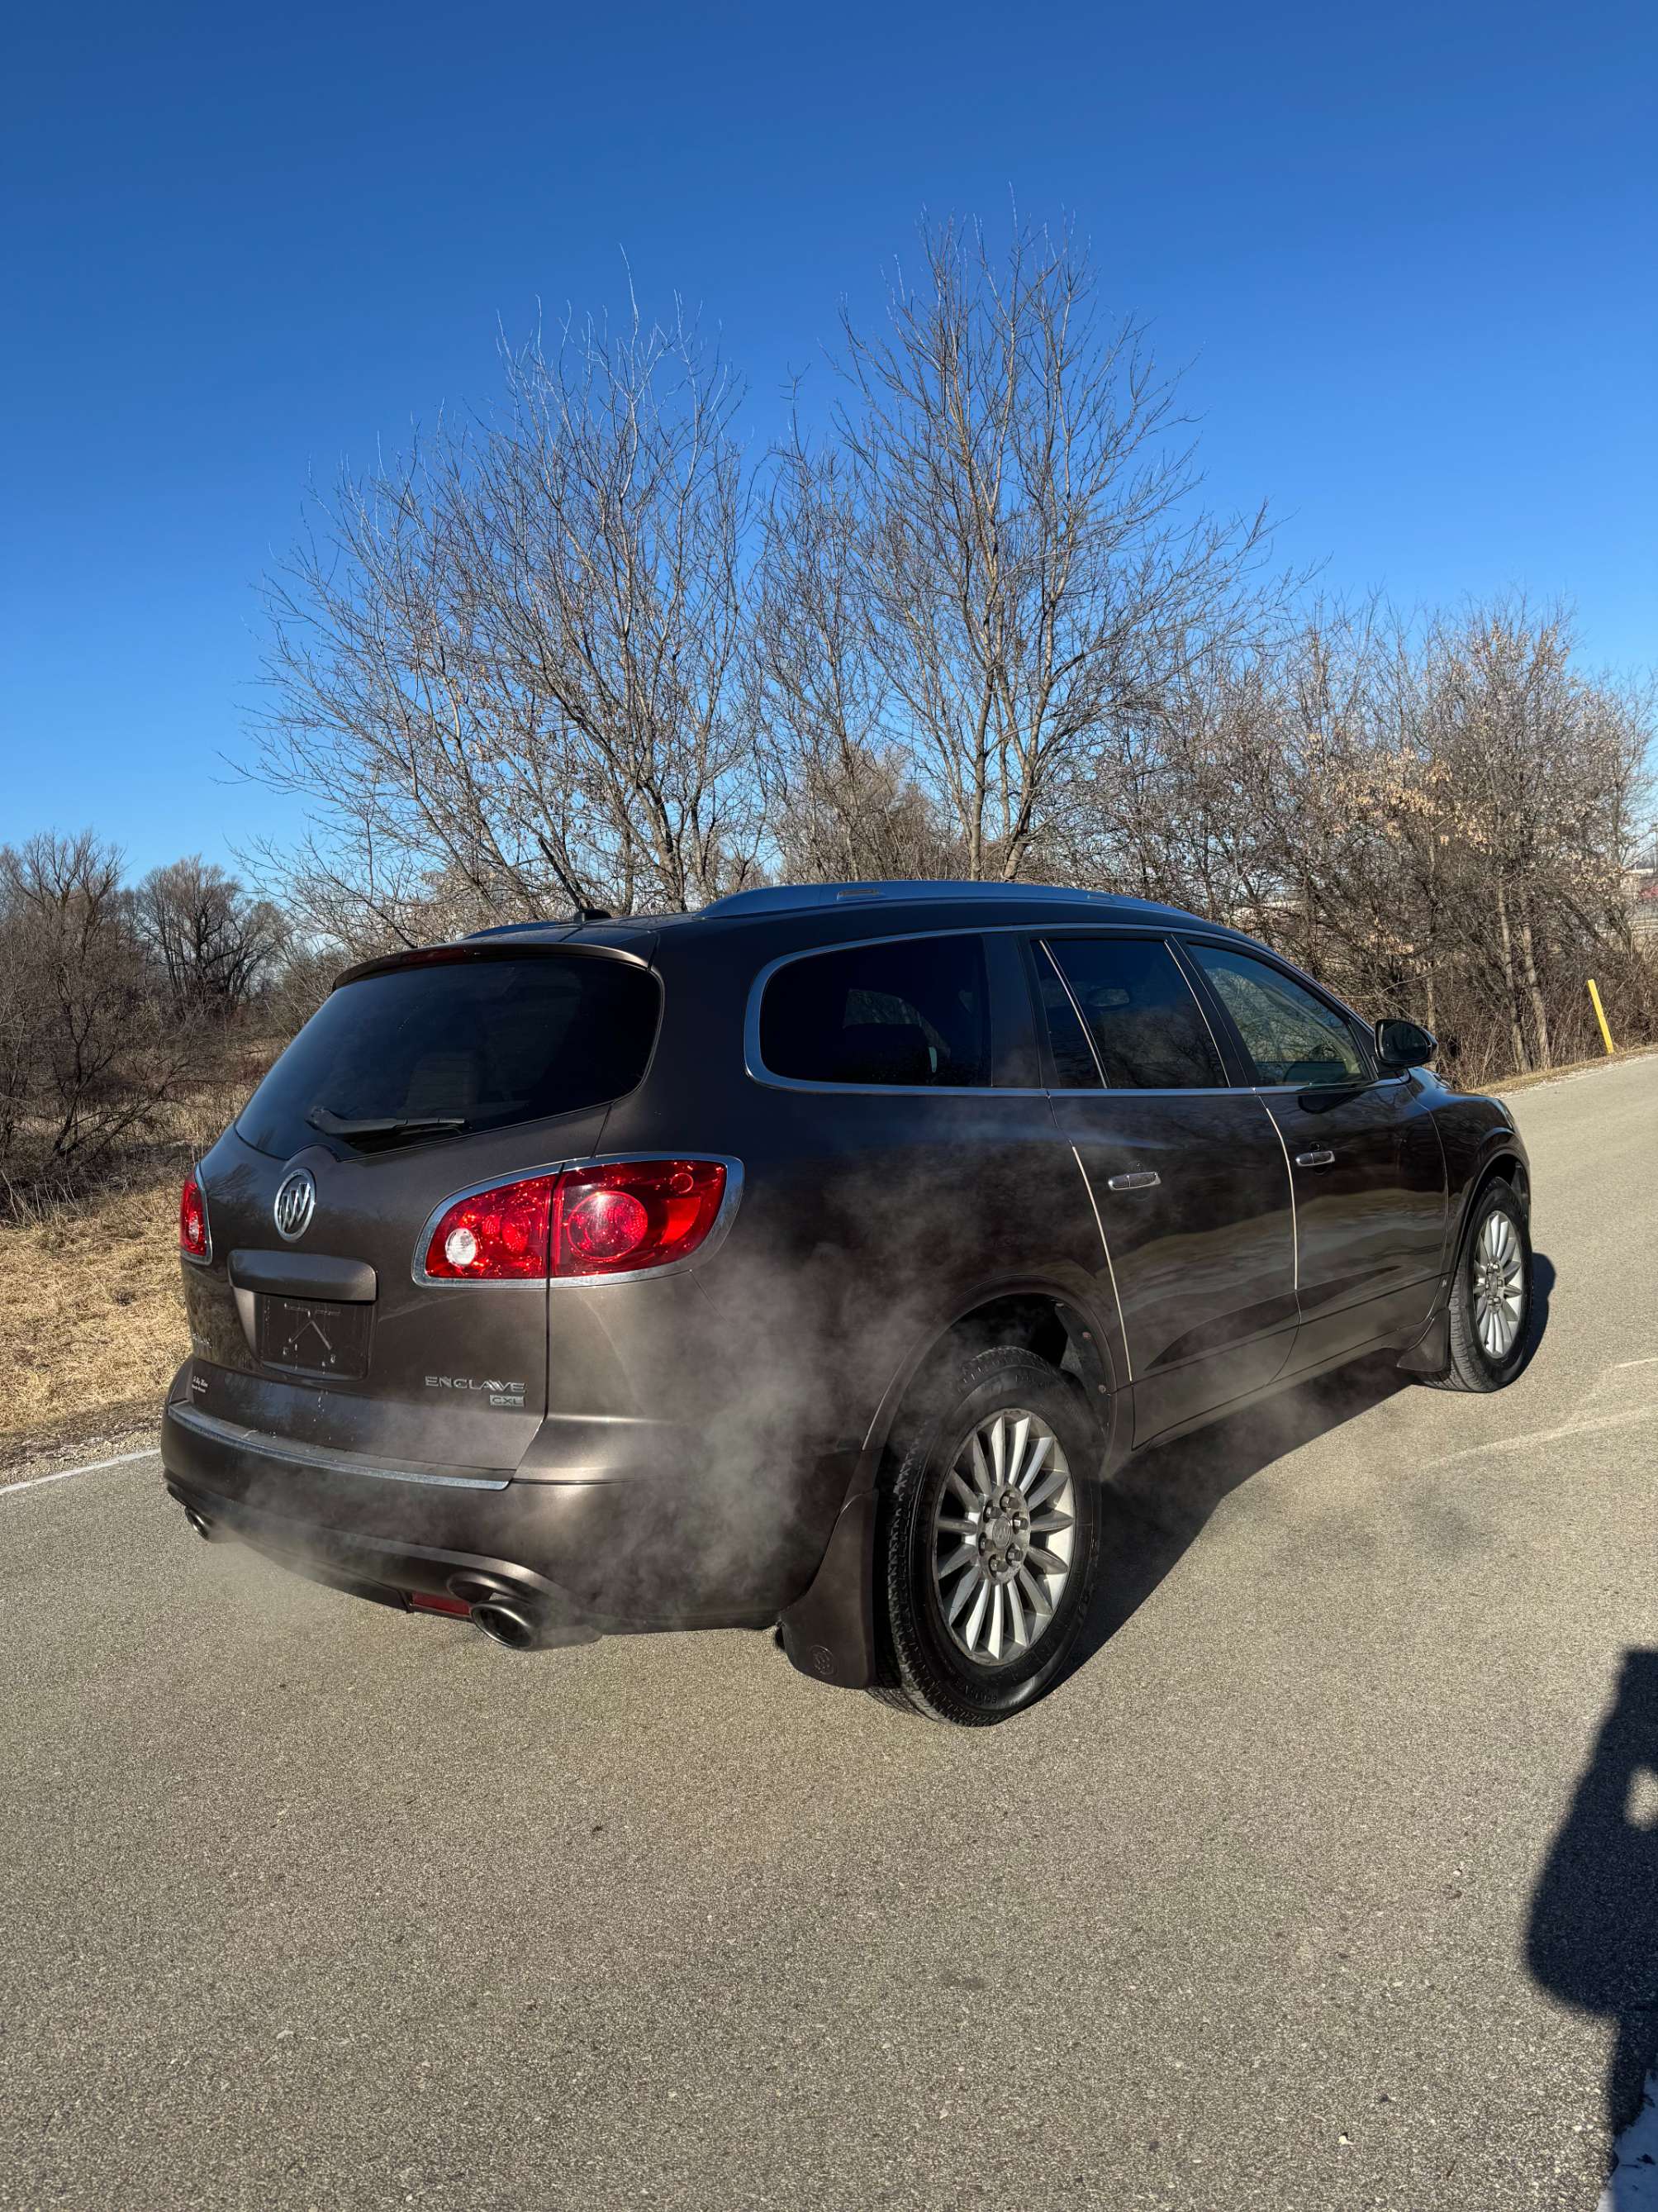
(194, 1241)
(616, 1218)
(497, 1236)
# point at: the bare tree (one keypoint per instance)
(85, 1058)
(211, 944)
(1006, 488)
(505, 671)
(842, 796)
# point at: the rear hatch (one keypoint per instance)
(419, 1078)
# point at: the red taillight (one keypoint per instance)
(627, 1214)
(497, 1236)
(193, 1222)
(608, 1220)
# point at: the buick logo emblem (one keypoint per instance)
(296, 1203)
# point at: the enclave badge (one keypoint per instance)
(294, 1204)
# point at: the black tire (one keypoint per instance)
(927, 1670)
(1473, 1366)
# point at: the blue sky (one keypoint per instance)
(1409, 252)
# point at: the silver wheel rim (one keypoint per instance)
(1003, 1533)
(1499, 1286)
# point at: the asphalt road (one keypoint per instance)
(308, 1904)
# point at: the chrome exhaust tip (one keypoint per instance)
(506, 1625)
(199, 1522)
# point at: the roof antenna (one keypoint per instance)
(582, 911)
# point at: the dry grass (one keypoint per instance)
(92, 1318)
(1571, 1067)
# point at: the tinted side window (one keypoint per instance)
(1143, 1020)
(1290, 1036)
(1075, 1067)
(913, 1012)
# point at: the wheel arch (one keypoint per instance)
(1053, 1321)
(1504, 1163)
(829, 1632)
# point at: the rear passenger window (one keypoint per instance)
(911, 1013)
(1144, 1024)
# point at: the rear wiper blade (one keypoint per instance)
(387, 1125)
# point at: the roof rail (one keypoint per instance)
(777, 898)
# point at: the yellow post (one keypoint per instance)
(1600, 1016)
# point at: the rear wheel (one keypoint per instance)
(1490, 1297)
(989, 1542)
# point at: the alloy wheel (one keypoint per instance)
(1499, 1288)
(1004, 1532)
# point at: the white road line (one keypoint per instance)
(1633, 2184)
(93, 1467)
(1547, 1436)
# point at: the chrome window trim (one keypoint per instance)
(754, 1062)
(757, 1072)
(719, 1229)
(1362, 1082)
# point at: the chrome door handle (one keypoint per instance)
(1314, 1159)
(1141, 1181)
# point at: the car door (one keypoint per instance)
(1185, 1172)
(1368, 1166)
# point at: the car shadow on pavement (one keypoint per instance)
(1156, 1506)
(1543, 1280)
(1592, 1937)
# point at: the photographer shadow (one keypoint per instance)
(1591, 1936)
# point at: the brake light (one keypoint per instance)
(608, 1220)
(497, 1236)
(193, 1240)
(628, 1214)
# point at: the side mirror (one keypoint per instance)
(1404, 1044)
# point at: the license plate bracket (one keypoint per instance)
(319, 1337)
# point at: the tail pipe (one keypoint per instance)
(516, 1618)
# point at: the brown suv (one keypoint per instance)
(814, 1258)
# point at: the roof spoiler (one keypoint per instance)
(470, 949)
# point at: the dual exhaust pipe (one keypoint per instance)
(515, 1619)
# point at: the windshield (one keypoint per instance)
(463, 1045)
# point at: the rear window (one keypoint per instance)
(488, 1042)
(910, 1013)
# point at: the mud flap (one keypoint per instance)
(1431, 1353)
(829, 1632)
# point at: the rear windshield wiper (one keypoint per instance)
(368, 1128)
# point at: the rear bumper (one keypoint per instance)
(637, 1550)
